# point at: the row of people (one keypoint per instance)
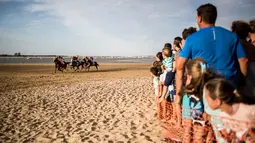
(208, 77)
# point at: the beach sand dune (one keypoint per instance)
(88, 107)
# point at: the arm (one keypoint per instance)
(242, 59)
(243, 63)
(179, 74)
(159, 90)
(174, 67)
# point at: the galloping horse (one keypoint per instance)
(76, 65)
(59, 65)
(88, 63)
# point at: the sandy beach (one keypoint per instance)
(114, 105)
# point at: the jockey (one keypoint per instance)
(92, 60)
(60, 58)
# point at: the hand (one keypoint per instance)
(161, 98)
(177, 99)
(206, 117)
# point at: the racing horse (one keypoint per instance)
(59, 65)
(88, 63)
(76, 65)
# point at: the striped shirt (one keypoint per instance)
(168, 63)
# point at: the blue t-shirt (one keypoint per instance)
(219, 47)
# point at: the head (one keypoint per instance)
(167, 51)
(241, 28)
(206, 15)
(159, 57)
(154, 71)
(177, 43)
(197, 74)
(186, 33)
(221, 94)
(157, 64)
(252, 32)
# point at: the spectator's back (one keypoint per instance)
(219, 47)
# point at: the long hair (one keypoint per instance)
(177, 42)
(200, 75)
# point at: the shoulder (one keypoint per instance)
(227, 33)
(169, 59)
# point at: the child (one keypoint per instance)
(238, 110)
(168, 63)
(154, 73)
(192, 106)
(158, 63)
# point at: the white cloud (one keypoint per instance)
(130, 27)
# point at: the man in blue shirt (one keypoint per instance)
(219, 47)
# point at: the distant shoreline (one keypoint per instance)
(101, 57)
(49, 64)
(24, 57)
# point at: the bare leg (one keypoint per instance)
(178, 110)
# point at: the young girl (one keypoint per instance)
(238, 110)
(192, 106)
(158, 62)
(154, 74)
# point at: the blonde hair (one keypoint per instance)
(167, 52)
(200, 75)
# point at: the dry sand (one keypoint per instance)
(114, 105)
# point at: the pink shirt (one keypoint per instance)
(243, 117)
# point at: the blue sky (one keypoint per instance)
(104, 27)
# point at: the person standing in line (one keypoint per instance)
(219, 47)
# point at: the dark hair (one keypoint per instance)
(159, 55)
(208, 13)
(177, 42)
(154, 71)
(252, 26)
(224, 90)
(241, 28)
(188, 31)
(158, 65)
(168, 45)
(199, 77)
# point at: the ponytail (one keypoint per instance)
(200, 73)
(234, 98)
(224, 90)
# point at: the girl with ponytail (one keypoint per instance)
(197, 74)
(238, 109)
